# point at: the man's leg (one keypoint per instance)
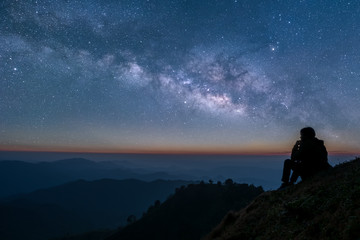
(294, 175)
(288, 165)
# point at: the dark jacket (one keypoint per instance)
(312, 156)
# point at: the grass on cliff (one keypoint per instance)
(326, 206)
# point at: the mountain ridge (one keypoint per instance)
(189, 213)
(17, 177)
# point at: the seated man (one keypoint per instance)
(308, 157)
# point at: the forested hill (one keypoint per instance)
(78, 207)
(324, 207)
(190, 213)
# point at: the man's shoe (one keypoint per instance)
(285, 185)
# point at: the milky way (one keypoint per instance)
(178, 75)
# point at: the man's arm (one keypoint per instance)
(296, 151)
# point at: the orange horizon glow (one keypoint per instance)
(165, 152)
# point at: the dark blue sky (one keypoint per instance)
(204, 76)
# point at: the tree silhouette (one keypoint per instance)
(131, 219)
(229, 182)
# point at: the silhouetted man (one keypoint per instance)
(308, 157)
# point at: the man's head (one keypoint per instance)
(307, 133)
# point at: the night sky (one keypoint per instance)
(224, 76)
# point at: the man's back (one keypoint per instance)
(312, 155)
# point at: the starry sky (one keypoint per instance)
(239, 76)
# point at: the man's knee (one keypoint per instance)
(287, 162)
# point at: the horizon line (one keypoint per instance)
(170, 152)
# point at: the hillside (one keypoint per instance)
(324, 207)
(190, 213)
(78, 207)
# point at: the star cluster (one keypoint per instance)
(178, 75)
